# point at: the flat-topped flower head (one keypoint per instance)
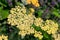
(18, 16)
(50, 26)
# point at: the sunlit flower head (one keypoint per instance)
(50, 26)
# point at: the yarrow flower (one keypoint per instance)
(3, 37)
(52, 27)
(24, 21)
(17, 13)
(26, 31)
(49, 26)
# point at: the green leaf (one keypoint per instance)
(40, 13)
(3, 3)
(3, 13)
(56, 13)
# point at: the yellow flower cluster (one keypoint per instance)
(3, 37)
(52, 27)
(49, 26)
(18, 9)
(38, 22)
(34, 2)
(56, 36)
(24, 21)
(38, 35)
(18, 16)
(27, 30)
